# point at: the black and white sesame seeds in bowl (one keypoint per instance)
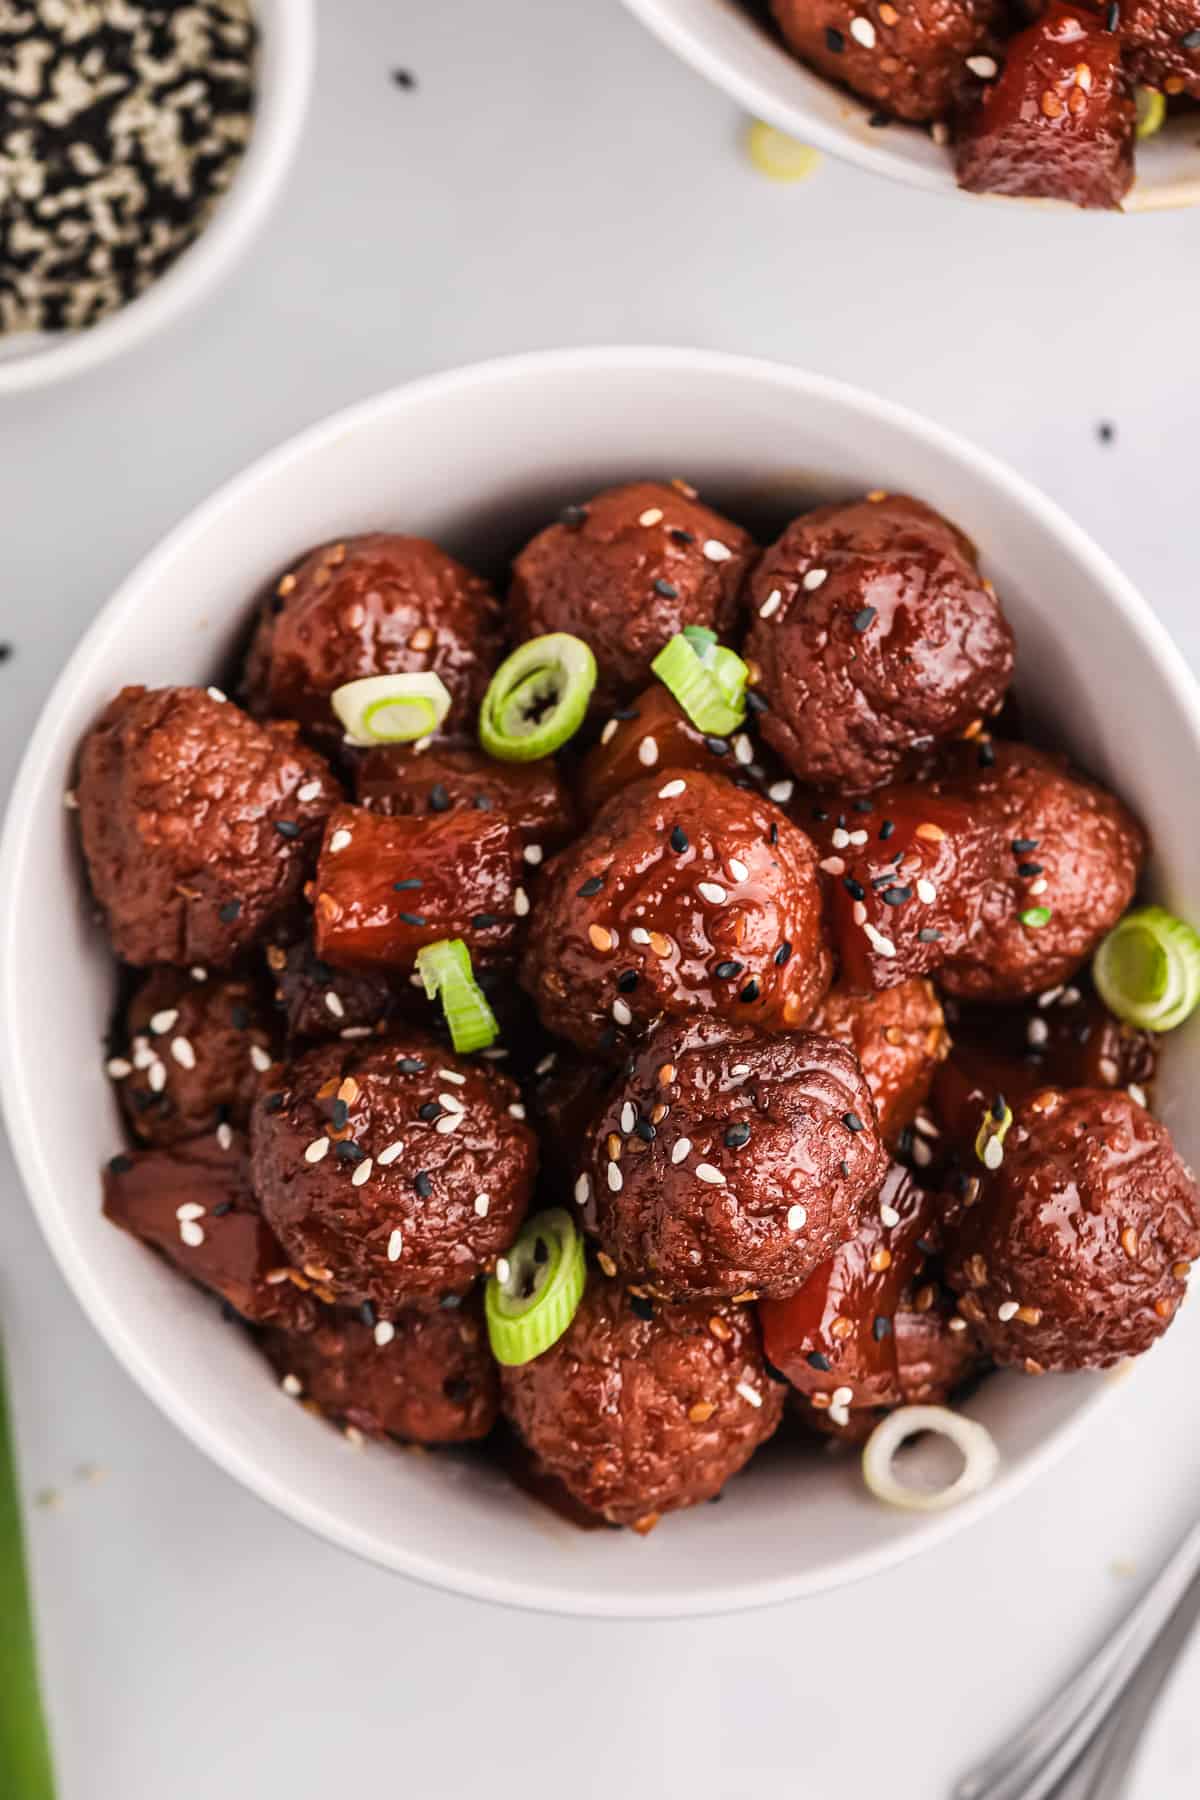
(140, 152)
(618, 1097)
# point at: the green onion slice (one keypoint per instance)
(25, 1767)
(536, 1290)
(1147, 970)
(537, 698)
(700, 638)
(1151, 111)
(391, 709)
(989, 1139)
(446, 972)
(973, 1441)
(708, 682)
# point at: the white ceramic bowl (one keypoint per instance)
(724, 41)
(478, 459)
(287, 34)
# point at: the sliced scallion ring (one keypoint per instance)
(989, 1139)
(445, 969)
(709, 684)
(980, 1457)
(536, 1290)
(25, 1768)
(1151, 111)
(700, 638)
(537, 698)
(1147, 970)
(778, 156)
(391, 709)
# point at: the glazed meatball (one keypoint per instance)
(653, 733)
(396, 1171)
(1076, 1252)
(375, 605)
(397, 781)
(1001, 876)
(566, 1096)
(625, 573)
(199, 825)
(687, 895)
(192, 1050)
(732, 1162)
(872, 1326)
(910, 62)
(1058, 123)
(875, 635)
(899, 1037)
(319, 1001)
(426, 1378)
(1161, 44)
(194, 1204)
(642, 1408)
(387, 886)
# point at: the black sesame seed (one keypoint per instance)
(349, 1152)
(457, 1388)
(625, 713)
(886, 829)
(230, 1314)
(681, 536)
(855, 889)
(239, 1018)
(881, 1328)
(864, 805)
(229, 912)
(896, 896)
(737, 1135)
(1112, 17)
(774, 1374)
(6, 651)
(339, 1115)
(120, 1165)
(274, 1103)
(407, 918)
(667, 589)
(590, 888)
(404, 78)
(573, 517)
(322, 971)
(773, 833)
(482, 803)
(430, 1111)
(627, 980)
(999, 1108)
(717, 745)
(410, 1065)
(1021, 845)
(679, 842)
(422, 1184)
(439, 799)
(404, 887)
(928, 935)
(844, 1166)
(864, 618)
(483, 921)
(877, 120)
(749, 992)
(287, 828)
(815, 1360)
(820, 815)
(987, 755)
(852, 1122)
(221, 1208)
(926, 1247)
(1028, 868)
(782, 954)
(641, 1308)
(836, 42)
(755, 702)
(645, 1130)
(366, 1313)
(725, 971)
(1191, 40)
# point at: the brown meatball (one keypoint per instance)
(872, 1327)
(899, 1037)
(199, 825)
(653, 733)
(386, 887)
(1002, 875)
(1161, 44)
(1058, 123)
(686, 895)
(396, 1170)
(397, 781)
(427, 1378)
(909, 62)
(375, 605)
(625, 573)
(732, 1162)
(194, 1203)
(197, 1049)
(642, 1408)
(319, 1001)
(1076, 1252)
(876, 635)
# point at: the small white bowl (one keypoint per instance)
(286, 51)
(478, 459)
(724, 41)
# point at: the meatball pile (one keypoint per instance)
(794, 1022)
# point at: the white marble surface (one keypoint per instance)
(556, 178)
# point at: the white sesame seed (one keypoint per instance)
(858, 837)
(609, 732)
(385, 1331)
(922, 1155)
(157, 1076)
(516, 1110)
(781, 792)
(841, 1396)
(334, 1005)
(712, 892)
(1137, 1094)
(648, 752)
(939, 131)
(743, 749)
(797, 1218)
(740, 1069)
(926, 891)
(387, 1157)
(621, 1012)
(957, 1324)
(926, 1126)
(143, 1055)
(192, 1235)
(191, 1209)
(750, 1394)
(672, 790)
(503, 1269)
(858, 913)
(533, 854)
(452, 1076)
(1008, 1309)
(214, 693)
(291, 1385)
(183, 1053)
(639, 935)
(680, 1149)
(1039, 886)
(520, 903)
(706, 1172)
(716, 551)
(815, 578)
(198, 974)
(1070, 996)
(451, 1102)
(449, 1122)
(362, 1172)
(771, 604)
(396, 1245)
(1037, 1031)
(316, 1150)
(839, 1414)
(547, 1063)
(616, 1180)
(225, 1136)
(738, 869)
(338, 841)
(888, 1215)
(993, 1153)
(1050, 996)
(833, 865)
(983, 66)
(651, 516)
(583, 1191)
(1109, 1070)
(482, 1204)
(863, 32)
(309, 791)
(628, 1117)
(882, 945)
(356, 1031)
(840, 838)
(118, 1068)
(260, 1058)
(70, 800)
(354, 1437)
(163, 1021)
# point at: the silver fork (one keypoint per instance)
(1031, 1765)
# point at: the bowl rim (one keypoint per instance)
(17, 1082)
(290, 33)
(688, 40)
